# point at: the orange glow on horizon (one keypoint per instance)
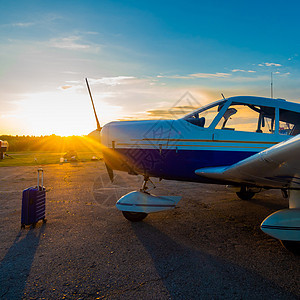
(63, 113)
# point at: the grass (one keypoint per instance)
(41, 158)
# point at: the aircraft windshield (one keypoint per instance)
(204, 116)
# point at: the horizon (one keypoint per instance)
(141, 59)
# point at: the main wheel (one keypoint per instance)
(244, 194)
(134, 216)
(292, 246)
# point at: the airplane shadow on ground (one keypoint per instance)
(16, 265)
(267, 204)
(190, 273)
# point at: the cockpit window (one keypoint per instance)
(246, 117)
(249, 118)
(204, 116)
(289, 122)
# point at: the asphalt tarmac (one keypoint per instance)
(209, 247)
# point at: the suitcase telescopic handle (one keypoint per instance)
(40, 170)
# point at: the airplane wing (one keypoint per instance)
(275, 167)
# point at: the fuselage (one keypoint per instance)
(220, 134)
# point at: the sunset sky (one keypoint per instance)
(140, 57)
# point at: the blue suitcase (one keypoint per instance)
(34, 203)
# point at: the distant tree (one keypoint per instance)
(51, 143)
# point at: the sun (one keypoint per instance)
(62, 113)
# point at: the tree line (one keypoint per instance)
(53, 143)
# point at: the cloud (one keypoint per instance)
(159, 113)
(71, 86)
(19, 24)
(282, 74)
(174, 76)
(174, 112)
(92, 32)
(210, 75)
(112, 81)
(197, 75)
(70, 72)
(270, 65)
(179, 77)
(243, 71)
(65, 87)
(22, 24)
(71, 43)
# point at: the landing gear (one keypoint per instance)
(292, 246)
(136, 205)
(134, 216)
(144, 185)
(285, 193)
(138, 216)
(245, 193)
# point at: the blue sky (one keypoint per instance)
(140, 56)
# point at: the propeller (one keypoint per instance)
(97, 120)
(96, 133)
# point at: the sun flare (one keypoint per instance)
(62, 113)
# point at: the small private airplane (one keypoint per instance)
(247, 143)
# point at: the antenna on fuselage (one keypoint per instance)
(271, 85)
(223, 96)
(97, 121)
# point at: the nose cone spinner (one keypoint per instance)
(95, 135)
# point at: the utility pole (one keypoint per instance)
(272, 85)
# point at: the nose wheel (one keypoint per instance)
(134, 216)
(138, 216)
(245, 194)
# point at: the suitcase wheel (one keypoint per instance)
(44, 220)
(22, 226)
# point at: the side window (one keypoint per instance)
(268, 124)
(289, 122)
(266, 120)
(248, 118)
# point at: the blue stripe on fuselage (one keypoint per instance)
(179, 164)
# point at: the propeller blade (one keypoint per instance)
(97, 121)
(110, 173)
